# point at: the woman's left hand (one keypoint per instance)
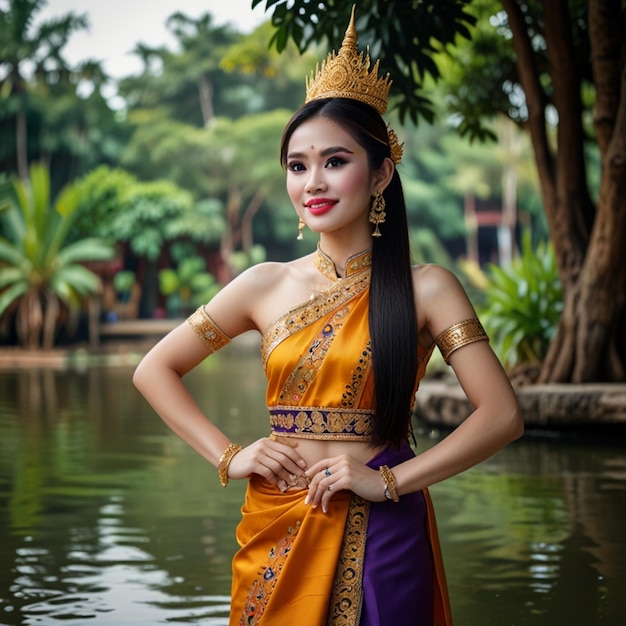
(342, 473)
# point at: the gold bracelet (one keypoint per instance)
(391, 488)
(225, 459)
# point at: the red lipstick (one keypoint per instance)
(319, 206)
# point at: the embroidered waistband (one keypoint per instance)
(321, 423)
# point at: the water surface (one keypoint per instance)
(107, 518)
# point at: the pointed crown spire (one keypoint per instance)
(346, 75)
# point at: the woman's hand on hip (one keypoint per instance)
(275, 461)
(343, 473)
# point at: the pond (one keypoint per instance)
(108, 518)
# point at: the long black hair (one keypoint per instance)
(392, 318)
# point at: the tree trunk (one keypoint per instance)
(51, 316)
(587, 239)
(232, 237)
(30, 320)
(205, 89)
(247, 237)
(601, 301)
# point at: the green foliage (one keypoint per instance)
(188, 286)
(427, 248)
(39, 267)
(145, 215)
(241, 261)
(406, 36)
(123, 281)
(147, 209)
(523, 304)
(48, 109)
(193, 83)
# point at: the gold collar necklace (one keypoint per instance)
(354, 264)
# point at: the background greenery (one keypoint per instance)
(183, 163)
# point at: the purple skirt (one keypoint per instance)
(398, 568)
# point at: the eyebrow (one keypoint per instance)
(324, 153)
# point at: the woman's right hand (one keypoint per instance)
(277, 462)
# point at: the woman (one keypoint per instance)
(337, 526)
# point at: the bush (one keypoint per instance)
(523, 305)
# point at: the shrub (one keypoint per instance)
(523, 304)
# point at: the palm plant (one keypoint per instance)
(38, 270)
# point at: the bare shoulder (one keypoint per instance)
(441, 300)
(429, 280)
(259, 277)
(255, 297)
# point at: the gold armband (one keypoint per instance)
(460, 335)
(207, 329)
(225, 459)
(391, 488)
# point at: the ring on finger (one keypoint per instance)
(327, 472)
(330, 487)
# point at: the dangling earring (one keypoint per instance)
(377, 212)
(301, 226)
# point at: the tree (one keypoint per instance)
(187, 84)
(21, 44)
(589, 237)
(40, 270)
(558, 69)
(560, 76)
(275, 80)
(144, 219)
(225, 162)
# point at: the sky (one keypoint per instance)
(116, 26)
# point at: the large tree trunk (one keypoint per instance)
(603, 277)
(587, 239)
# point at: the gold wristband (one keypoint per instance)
(391, 488)
(225, 459)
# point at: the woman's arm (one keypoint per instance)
(159, 378)
(496, 420)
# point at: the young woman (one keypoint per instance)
(337, 525)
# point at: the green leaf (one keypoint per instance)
(11, 294)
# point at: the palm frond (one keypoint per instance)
(11, 294)
(90, 249)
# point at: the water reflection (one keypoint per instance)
(106, 517)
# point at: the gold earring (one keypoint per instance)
(301, 226)
(377, 212)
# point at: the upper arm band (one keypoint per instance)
(459, 335)
(207, 329)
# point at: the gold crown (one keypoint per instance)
(345, 75)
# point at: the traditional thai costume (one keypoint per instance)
(361, 563)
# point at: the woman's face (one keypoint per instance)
(328, 177)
